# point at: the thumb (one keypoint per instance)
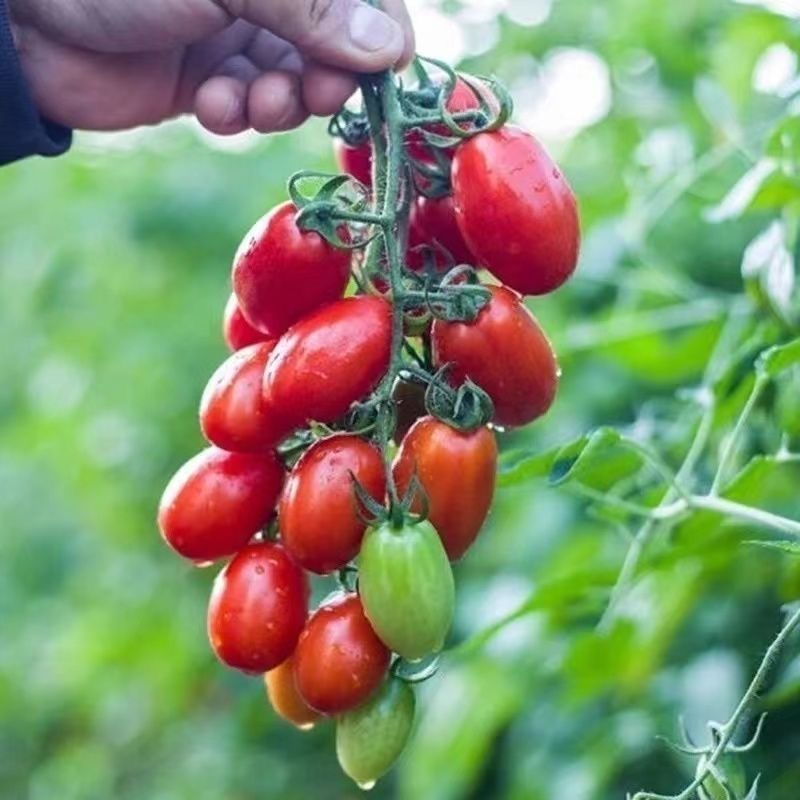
(347, 34)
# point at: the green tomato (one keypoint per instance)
(406, 586)
(729, 768)
(370, 738)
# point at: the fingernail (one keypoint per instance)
(371, 29)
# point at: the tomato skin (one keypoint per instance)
(339, 661)
(285, 698)
(282, 273)
(233, 414)
(407, 588)
(372, 737)
(457, 472)
(516, 211)
(318, 510)
(435, 220)
(354, 161)
(329, 360)
(506, 353)
(218, 501)
(257, 609)
(236, 330)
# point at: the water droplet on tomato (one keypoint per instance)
(366, 786)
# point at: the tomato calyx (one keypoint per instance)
(352, 127)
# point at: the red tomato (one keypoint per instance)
(257, 609)
(516, 210)
(318, 510)
(506, 353)
(463, 98)
(281, 273)
(339, 661)
(355, 161)
(435, 220)
(329, 360)
(285, 698)
(457, 471)
(233, 414)
(236, 330)
(217, 501)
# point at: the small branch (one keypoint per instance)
(726, 732)
(732, 444)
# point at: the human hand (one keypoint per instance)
(236, 64)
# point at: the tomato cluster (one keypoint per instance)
(352, 432)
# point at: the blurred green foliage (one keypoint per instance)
(113, 273)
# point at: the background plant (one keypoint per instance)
(106, 301)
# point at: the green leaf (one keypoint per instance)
(779, 358)
(599, 460)
(784, 546)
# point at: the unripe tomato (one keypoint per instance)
(407, 589)
(257, 609)
(516, 210)
(339, 661)
(285, 698)
(354, 161)
(217, 501)
(434, 219)
(506, 353)
(236, 330)
(457, 472)
(318, 511)
(281, 273)
(728, 767)
(371, 738)
(329, 360)
(233, 414)
(462, 98)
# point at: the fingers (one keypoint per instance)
(275, 103)
(220, 105)
(345, 34)
(326, 90)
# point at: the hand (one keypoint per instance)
(236, 64)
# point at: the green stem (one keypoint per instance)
(732, 444)
(726, 732)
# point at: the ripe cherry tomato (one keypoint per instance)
(339, 661)
(435, 220)
(318, 511)
(217, 501)
(282, 273)
(516, 210)
(506, 353)
(355, 161)
(285, 698)
(457, 472)
(233, 414)
(236, 330)
(463, 98)
(407, 588)
(329, 360)
(371, 738)
(257, 609)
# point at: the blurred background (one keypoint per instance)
(114, 269)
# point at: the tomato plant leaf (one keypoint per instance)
(779, 358)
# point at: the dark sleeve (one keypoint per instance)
(22, 131)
